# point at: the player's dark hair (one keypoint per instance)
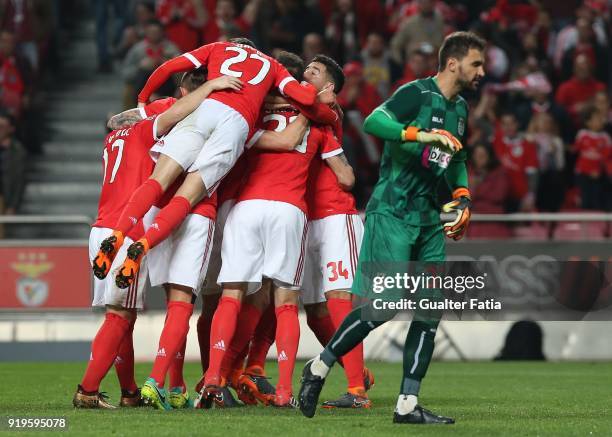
(293, 63)
(334, 71)
(243, 41)
(457, 45)
(191, 80)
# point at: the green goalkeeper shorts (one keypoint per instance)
(388, 247)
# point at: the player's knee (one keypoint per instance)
(285, 297)
(235, 290)
(179, 293)
(192, 189)
(124, 313)
(339, 294)
(166, 171)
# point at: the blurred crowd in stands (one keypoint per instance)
(28, 29)
(539, 128)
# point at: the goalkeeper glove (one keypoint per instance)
(441, 137)
(460, 205)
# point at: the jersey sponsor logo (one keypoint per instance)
(438, 156)
(437, 118)
(461, 126)
(161, 352)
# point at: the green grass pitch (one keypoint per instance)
(486, 398)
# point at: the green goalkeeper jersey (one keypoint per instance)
(410, 171)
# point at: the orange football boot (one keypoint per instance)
(368, 379)
(108, 250)
(253, 383)
(131, 266)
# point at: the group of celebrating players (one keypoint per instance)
(273, 225)
(239, 191)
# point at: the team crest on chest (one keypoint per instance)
(461, 126)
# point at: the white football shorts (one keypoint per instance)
(106, 291)
(264, 239)
(210, 286)
(209, 141)
(183, 257)
(331, 255)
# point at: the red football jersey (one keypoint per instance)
(258, 72)
(324, 196)
(518, 156)
(156, 107)
(594, 152)
(126, 165)
(282, 176)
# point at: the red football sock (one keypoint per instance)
(124, 363)
(172, 339)
(221, 333)
(104, 350)
(238, 368)
(203, 326)
(142, 199)
(287, 340)
(239, 361)
(323, 328)
(249, 318)
(263, 339)
(176, 369)
(168, 219)
(353, 360)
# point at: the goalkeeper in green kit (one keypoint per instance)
(422, 124)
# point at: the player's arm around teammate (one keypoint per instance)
(166, 170)
(343, 171)
(190, 101)
(283, 141)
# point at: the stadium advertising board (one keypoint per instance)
(44, 278)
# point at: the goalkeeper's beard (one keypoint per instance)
(466, 83)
